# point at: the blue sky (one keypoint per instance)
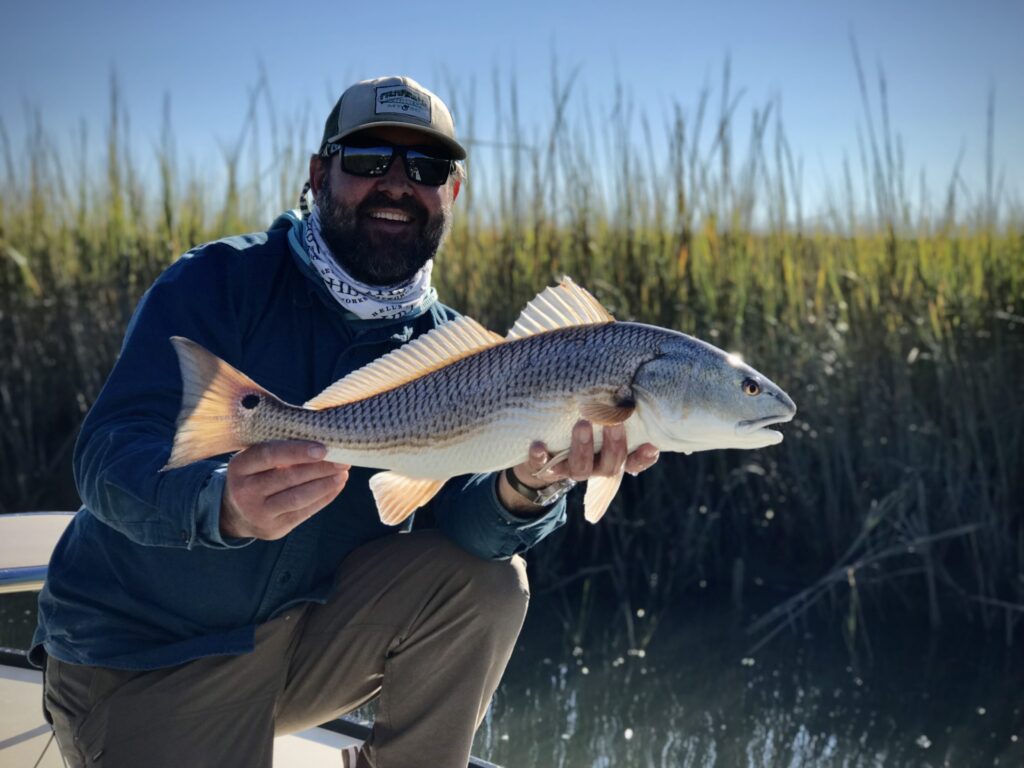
(940, 59)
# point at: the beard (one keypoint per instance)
(372, 257)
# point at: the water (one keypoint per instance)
(695, 697)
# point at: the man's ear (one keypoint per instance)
(455, 189)
(316, 174)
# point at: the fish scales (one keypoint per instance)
(471, 395)
(461, 399)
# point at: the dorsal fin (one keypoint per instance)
(562, 306)
(445, 344)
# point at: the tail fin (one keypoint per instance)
(211, 390)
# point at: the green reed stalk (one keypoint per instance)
(902, 344)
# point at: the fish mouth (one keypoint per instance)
(750, 426)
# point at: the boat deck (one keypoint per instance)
(26, 541)
(25, 734)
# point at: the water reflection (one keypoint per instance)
(695, 698)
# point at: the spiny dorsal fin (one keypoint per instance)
(562, 306)
(443, 345)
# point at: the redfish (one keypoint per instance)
(462, 399)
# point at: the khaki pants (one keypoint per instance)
(416, 621)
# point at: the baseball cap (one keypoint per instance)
(393, 101)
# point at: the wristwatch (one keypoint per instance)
(545, 496)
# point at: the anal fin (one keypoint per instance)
(600, 492)
(398, 496)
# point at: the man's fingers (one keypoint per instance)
(277, 453)
(285, 523)
(581, 453)
(281, 478)
(583, 463)
(536, 457)
(613, 451)
(642, 458)
(301, 496)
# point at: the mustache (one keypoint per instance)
(407, 205)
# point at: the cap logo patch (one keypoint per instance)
(402, 100)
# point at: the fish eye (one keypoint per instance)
(250, 401)
(751, 387)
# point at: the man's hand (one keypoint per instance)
(581, 463)
(273, 487)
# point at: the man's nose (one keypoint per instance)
(395, 179)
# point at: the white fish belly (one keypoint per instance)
(502, 443)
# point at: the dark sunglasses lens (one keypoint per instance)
(425, 169)
(366, 161)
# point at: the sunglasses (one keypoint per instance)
(374, 159)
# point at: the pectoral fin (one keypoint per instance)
(398, 496)
(600, 492)
(605, 414)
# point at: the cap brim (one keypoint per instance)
(457, 150)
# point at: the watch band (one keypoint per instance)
(549, 494)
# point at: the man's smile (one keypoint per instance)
(390, 214)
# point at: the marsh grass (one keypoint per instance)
(899, 333)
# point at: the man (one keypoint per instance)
(190, 615)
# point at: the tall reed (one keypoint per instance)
(899, 333)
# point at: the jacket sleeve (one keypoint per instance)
(126, 437)
(470, 513)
